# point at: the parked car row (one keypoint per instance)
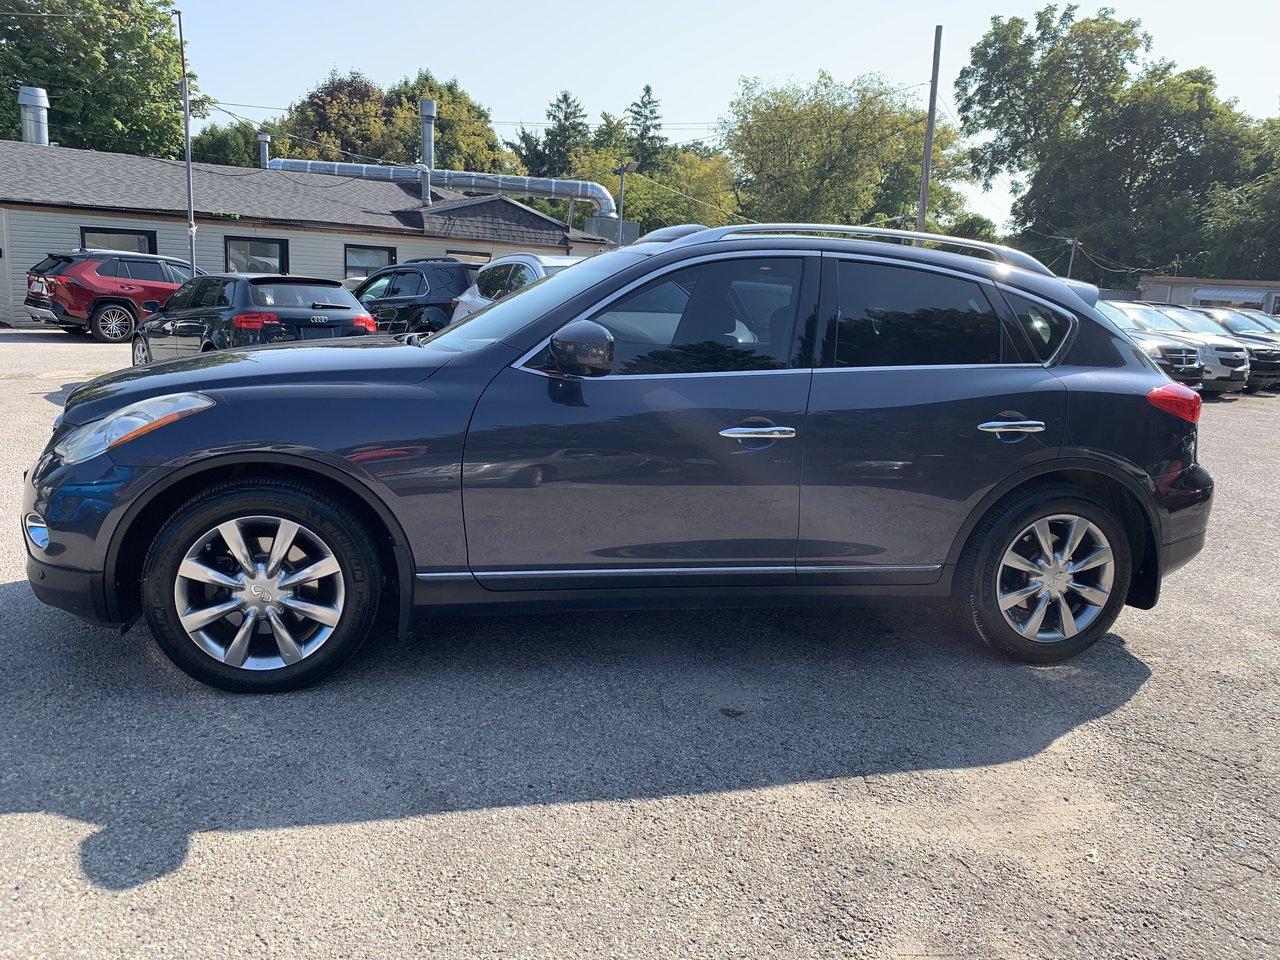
(1215, 349)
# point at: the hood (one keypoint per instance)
(1258, 339)
(1156, 338)
(341, 360)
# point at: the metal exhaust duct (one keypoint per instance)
(264, 149)
(33, 104)
(585, 190)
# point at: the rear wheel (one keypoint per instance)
(112, 323)
(141, 352)
(1044, 575)
(261, 586)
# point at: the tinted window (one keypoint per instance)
(894, 317)
(182, 298)
(406, 283)
(109, 268)
(281, 293)
(725, 315)
(376, 289)
(1045, 328)
(148, 271)
(135, 241)
(363, 261)
(521, 276)
(51, 265)
(492, 282)
(180, 272)
(214, 293)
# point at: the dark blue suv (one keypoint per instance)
(773, 414)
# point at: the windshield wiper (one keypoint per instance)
(320, 305)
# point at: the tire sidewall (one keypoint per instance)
(985, 607)
(341, 531)
(95, 325)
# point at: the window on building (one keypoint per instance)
(134, 241)
(722, 316)
(361, 261)
(254, 255)
(897, 316)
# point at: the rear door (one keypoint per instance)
(919, 367)
(148, 280)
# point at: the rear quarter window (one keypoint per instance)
(1046, 328)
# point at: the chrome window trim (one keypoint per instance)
(933, 366)
(908, 265)
(598, 307)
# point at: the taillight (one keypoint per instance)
(362, 321)
(253, 321)
(1177, 399)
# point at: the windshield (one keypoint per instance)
(1149, 318)
(1268, 321)
(1192, 320)
(502, 318)
(1117, 316)
(1239, 322)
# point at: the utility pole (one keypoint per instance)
(928, 130)
(1071, 261)
(622, 170)
(186, 136)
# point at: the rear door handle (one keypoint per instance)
(1012, 426)
(759, 433)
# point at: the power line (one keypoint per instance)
(694, 199)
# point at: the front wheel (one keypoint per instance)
(1044, 575)
(261, 586)
(141, 352)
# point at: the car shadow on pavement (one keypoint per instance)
(490, 712)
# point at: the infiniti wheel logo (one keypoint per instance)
(261, 592)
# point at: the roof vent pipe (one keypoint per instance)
(264, 149)
(33, 104)
(427, 111)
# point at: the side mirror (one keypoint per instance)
(152, 306)
(583, 349)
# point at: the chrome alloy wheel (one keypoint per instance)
(141, 354)
(1055, 578)
(116, 323)
(259, 593)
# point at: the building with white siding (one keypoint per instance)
(1207, 292)
(54, 199)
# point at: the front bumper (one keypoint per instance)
(78, 592)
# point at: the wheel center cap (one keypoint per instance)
(262, 592)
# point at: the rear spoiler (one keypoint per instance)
(1085, 291)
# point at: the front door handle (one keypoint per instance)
(759, 433)
(1012, 426)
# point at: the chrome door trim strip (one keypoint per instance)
(667, 571)
(869, 568)
(934, 366)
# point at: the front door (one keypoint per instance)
(920, 370)
(663, 473)
(372, 297)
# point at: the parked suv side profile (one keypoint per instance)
(757, 415)
(101, 291)
(415, 296)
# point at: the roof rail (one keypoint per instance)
(1007, 255)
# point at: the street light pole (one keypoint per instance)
(622, 170)
(186, 136)
(928, 130)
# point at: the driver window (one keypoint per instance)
(376, 289)
(720, 316)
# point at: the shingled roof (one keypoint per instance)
(88, 179)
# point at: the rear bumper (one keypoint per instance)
(42, 310)
(1178, 553)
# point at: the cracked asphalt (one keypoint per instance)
(712, 784)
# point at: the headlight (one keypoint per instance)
(86, 442)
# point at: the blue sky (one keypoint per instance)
(693, 52)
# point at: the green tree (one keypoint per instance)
(644, 123)
(612, 135)
(235, 144)
(340, 119)
(1242, 223)
(830, 152)
(113, 70)
(1029, 87)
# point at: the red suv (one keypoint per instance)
(101, 291)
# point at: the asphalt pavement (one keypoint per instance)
(792, 783)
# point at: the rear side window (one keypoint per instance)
(1045, 328)
(109, 268)
(896, 317)
(276, 293)
(181, 300)
(178, 272)
(521, 276)
(493, 281)
(406, 283)
(148, 271)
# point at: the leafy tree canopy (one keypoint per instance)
(113, 70)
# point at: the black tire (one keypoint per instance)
(140, 352)
(529, 477)
(977, 607)
(73, 328)
(341, 530)
(113, 323)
